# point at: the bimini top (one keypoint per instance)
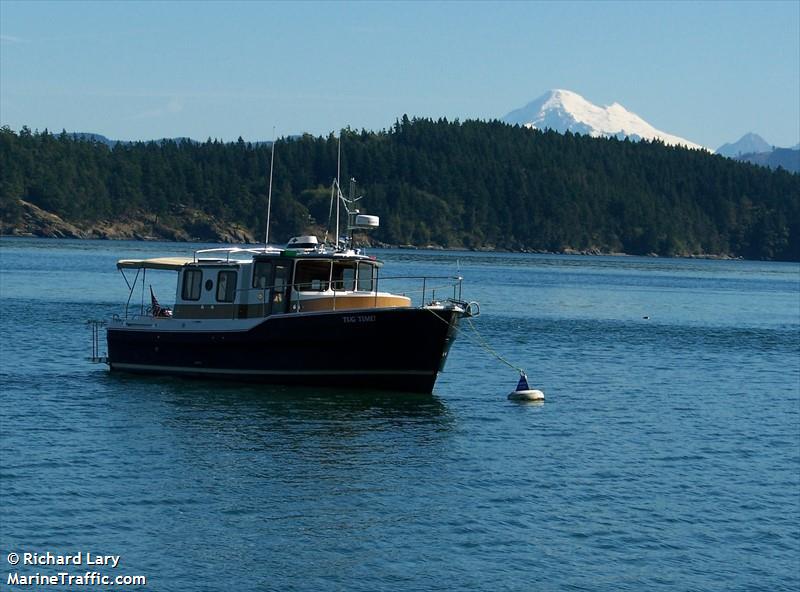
(167, 263)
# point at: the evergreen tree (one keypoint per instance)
(471, 184)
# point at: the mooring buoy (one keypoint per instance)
(524, 392)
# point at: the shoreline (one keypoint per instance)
(378, 245)
(194, 226)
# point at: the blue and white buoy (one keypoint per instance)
(524, 392)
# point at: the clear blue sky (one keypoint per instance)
(708, 72)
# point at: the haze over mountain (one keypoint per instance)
(100, 138)
(564, 110)
(750, 143)
(786, 158)
(754, 149)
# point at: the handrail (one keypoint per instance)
(230, 250)
(456, 284)
(328, 287)
(422, 277)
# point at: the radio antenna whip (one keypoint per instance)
(269, 195)
(338, 190)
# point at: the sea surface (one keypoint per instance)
(666, 455)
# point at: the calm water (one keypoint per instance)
(666, 456)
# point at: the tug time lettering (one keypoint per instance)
(359, 319)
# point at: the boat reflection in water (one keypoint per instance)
(290, 417)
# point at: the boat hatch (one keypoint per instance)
(303, 242)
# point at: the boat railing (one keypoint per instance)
(228, 251)
(421, 289)
(413, 286)
(424, 285)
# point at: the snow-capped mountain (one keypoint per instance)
(748, 144)
(564, 110)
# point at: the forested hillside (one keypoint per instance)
(471, 184)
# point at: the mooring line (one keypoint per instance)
(485, 344)
(481, 341)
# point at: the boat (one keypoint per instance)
(310, 313)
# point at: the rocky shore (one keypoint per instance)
(190, 225)
(187, 225)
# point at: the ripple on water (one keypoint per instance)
(666, 456)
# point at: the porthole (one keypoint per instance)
(209, 285)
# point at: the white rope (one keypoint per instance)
(481, 341)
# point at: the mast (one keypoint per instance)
(269, 195)
(338, 189)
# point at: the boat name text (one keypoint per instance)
(359, 319)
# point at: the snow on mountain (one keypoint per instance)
(564, 110)
(748, 144)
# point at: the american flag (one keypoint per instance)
(156, 308)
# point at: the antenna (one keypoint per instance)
(269, 196)
(339, 160)
(338, 189)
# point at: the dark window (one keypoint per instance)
(192, 280)
(366, 277)
(262, 275)
(278, 293)
(226, 286)
(344, 276)
(209, 285)
(280, 278)
(312, 275)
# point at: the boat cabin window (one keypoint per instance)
(344, 275)
(262, 275)
(192, 280)
(278, 304)
(280, 279)
(366, 277)
(312, 275)
(226, 286)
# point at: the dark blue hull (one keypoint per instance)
(399, 349)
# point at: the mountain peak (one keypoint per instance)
(562, 93)
(560, 97)
(564, 110)
(750, 143)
